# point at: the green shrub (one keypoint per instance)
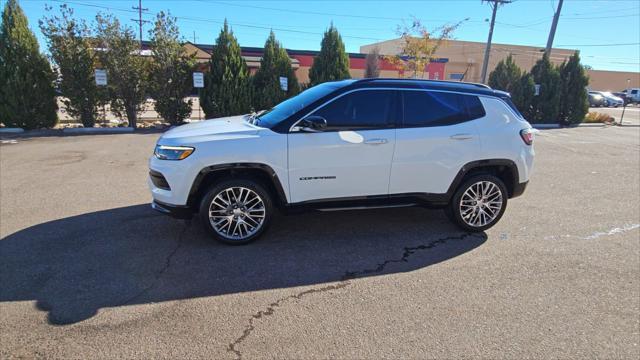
(27, 94)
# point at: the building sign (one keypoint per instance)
(101, 77)
(284, 83)
(537, 90)
(198, 80)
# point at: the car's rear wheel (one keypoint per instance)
(479, 203)
(236, 212)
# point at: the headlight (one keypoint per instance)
(165, 152)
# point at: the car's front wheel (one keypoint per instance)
(478, 203)
(236, 212)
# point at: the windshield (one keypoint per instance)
(289, 107)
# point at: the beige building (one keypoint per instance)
(463, 60)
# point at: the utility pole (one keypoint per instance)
(554, 25)
(139, 20)
(485, 63)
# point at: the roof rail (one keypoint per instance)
(484, 86)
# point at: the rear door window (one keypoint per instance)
(431, 108)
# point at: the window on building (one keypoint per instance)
(365, 109)
(426, 108)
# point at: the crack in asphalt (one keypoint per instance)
(232, 347)
(343, 283)
(408, 251)
(163, 269)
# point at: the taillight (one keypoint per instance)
(527, 136)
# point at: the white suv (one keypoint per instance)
(348, 144)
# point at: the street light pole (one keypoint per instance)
(624, 105)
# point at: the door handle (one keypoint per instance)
(461, 137)
(375, 141)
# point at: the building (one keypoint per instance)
(464, 60)
(456, 61)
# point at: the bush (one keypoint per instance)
(227, 89)
(574, 101)
(171, 71)
(69, 45)
(596, 117)
(275, 63)
(27, 94)
(546, 106)
(332, 63)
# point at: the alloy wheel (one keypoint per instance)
(481, 203)
(237, 213)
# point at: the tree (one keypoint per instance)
(523, 94)
(574, 102)
(546, 106)
(275, 63)
(419, 46)
(372, 62)
(506, 76)
(227, 89)
(170, 71)
(27, 93)
(126, 67)
(332, 63)
(68, 40)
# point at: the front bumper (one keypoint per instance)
(175, 211)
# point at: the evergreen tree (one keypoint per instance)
(27, 93)
(522, 95)
(372, 62)
(227, 88)
(71, 51)
(126, 67)
(332, 63)
(170, 75)
(546, 106)
(574, 103)
(275, 63)
(506, 76)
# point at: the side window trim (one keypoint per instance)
(391, 120)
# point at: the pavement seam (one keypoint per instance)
(343, 283)
(164, 268)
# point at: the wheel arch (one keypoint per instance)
(505, 169)
(255, 171)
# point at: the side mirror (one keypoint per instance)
(313, 123)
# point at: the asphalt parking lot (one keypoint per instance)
(631, 114)
(88, 270)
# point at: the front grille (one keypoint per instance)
(158, 180)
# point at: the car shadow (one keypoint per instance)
(75, 266)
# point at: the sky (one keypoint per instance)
(607, 32)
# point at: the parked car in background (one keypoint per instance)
(633, 95)
(611, 100)
(595, 99)
(622, 96)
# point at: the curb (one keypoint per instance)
(11, 130)
(97, 130)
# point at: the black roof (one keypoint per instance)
(472, 88)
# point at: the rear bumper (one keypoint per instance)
(175, 211)
(519, 189)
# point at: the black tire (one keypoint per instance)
(454, 208)
(216, 189)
